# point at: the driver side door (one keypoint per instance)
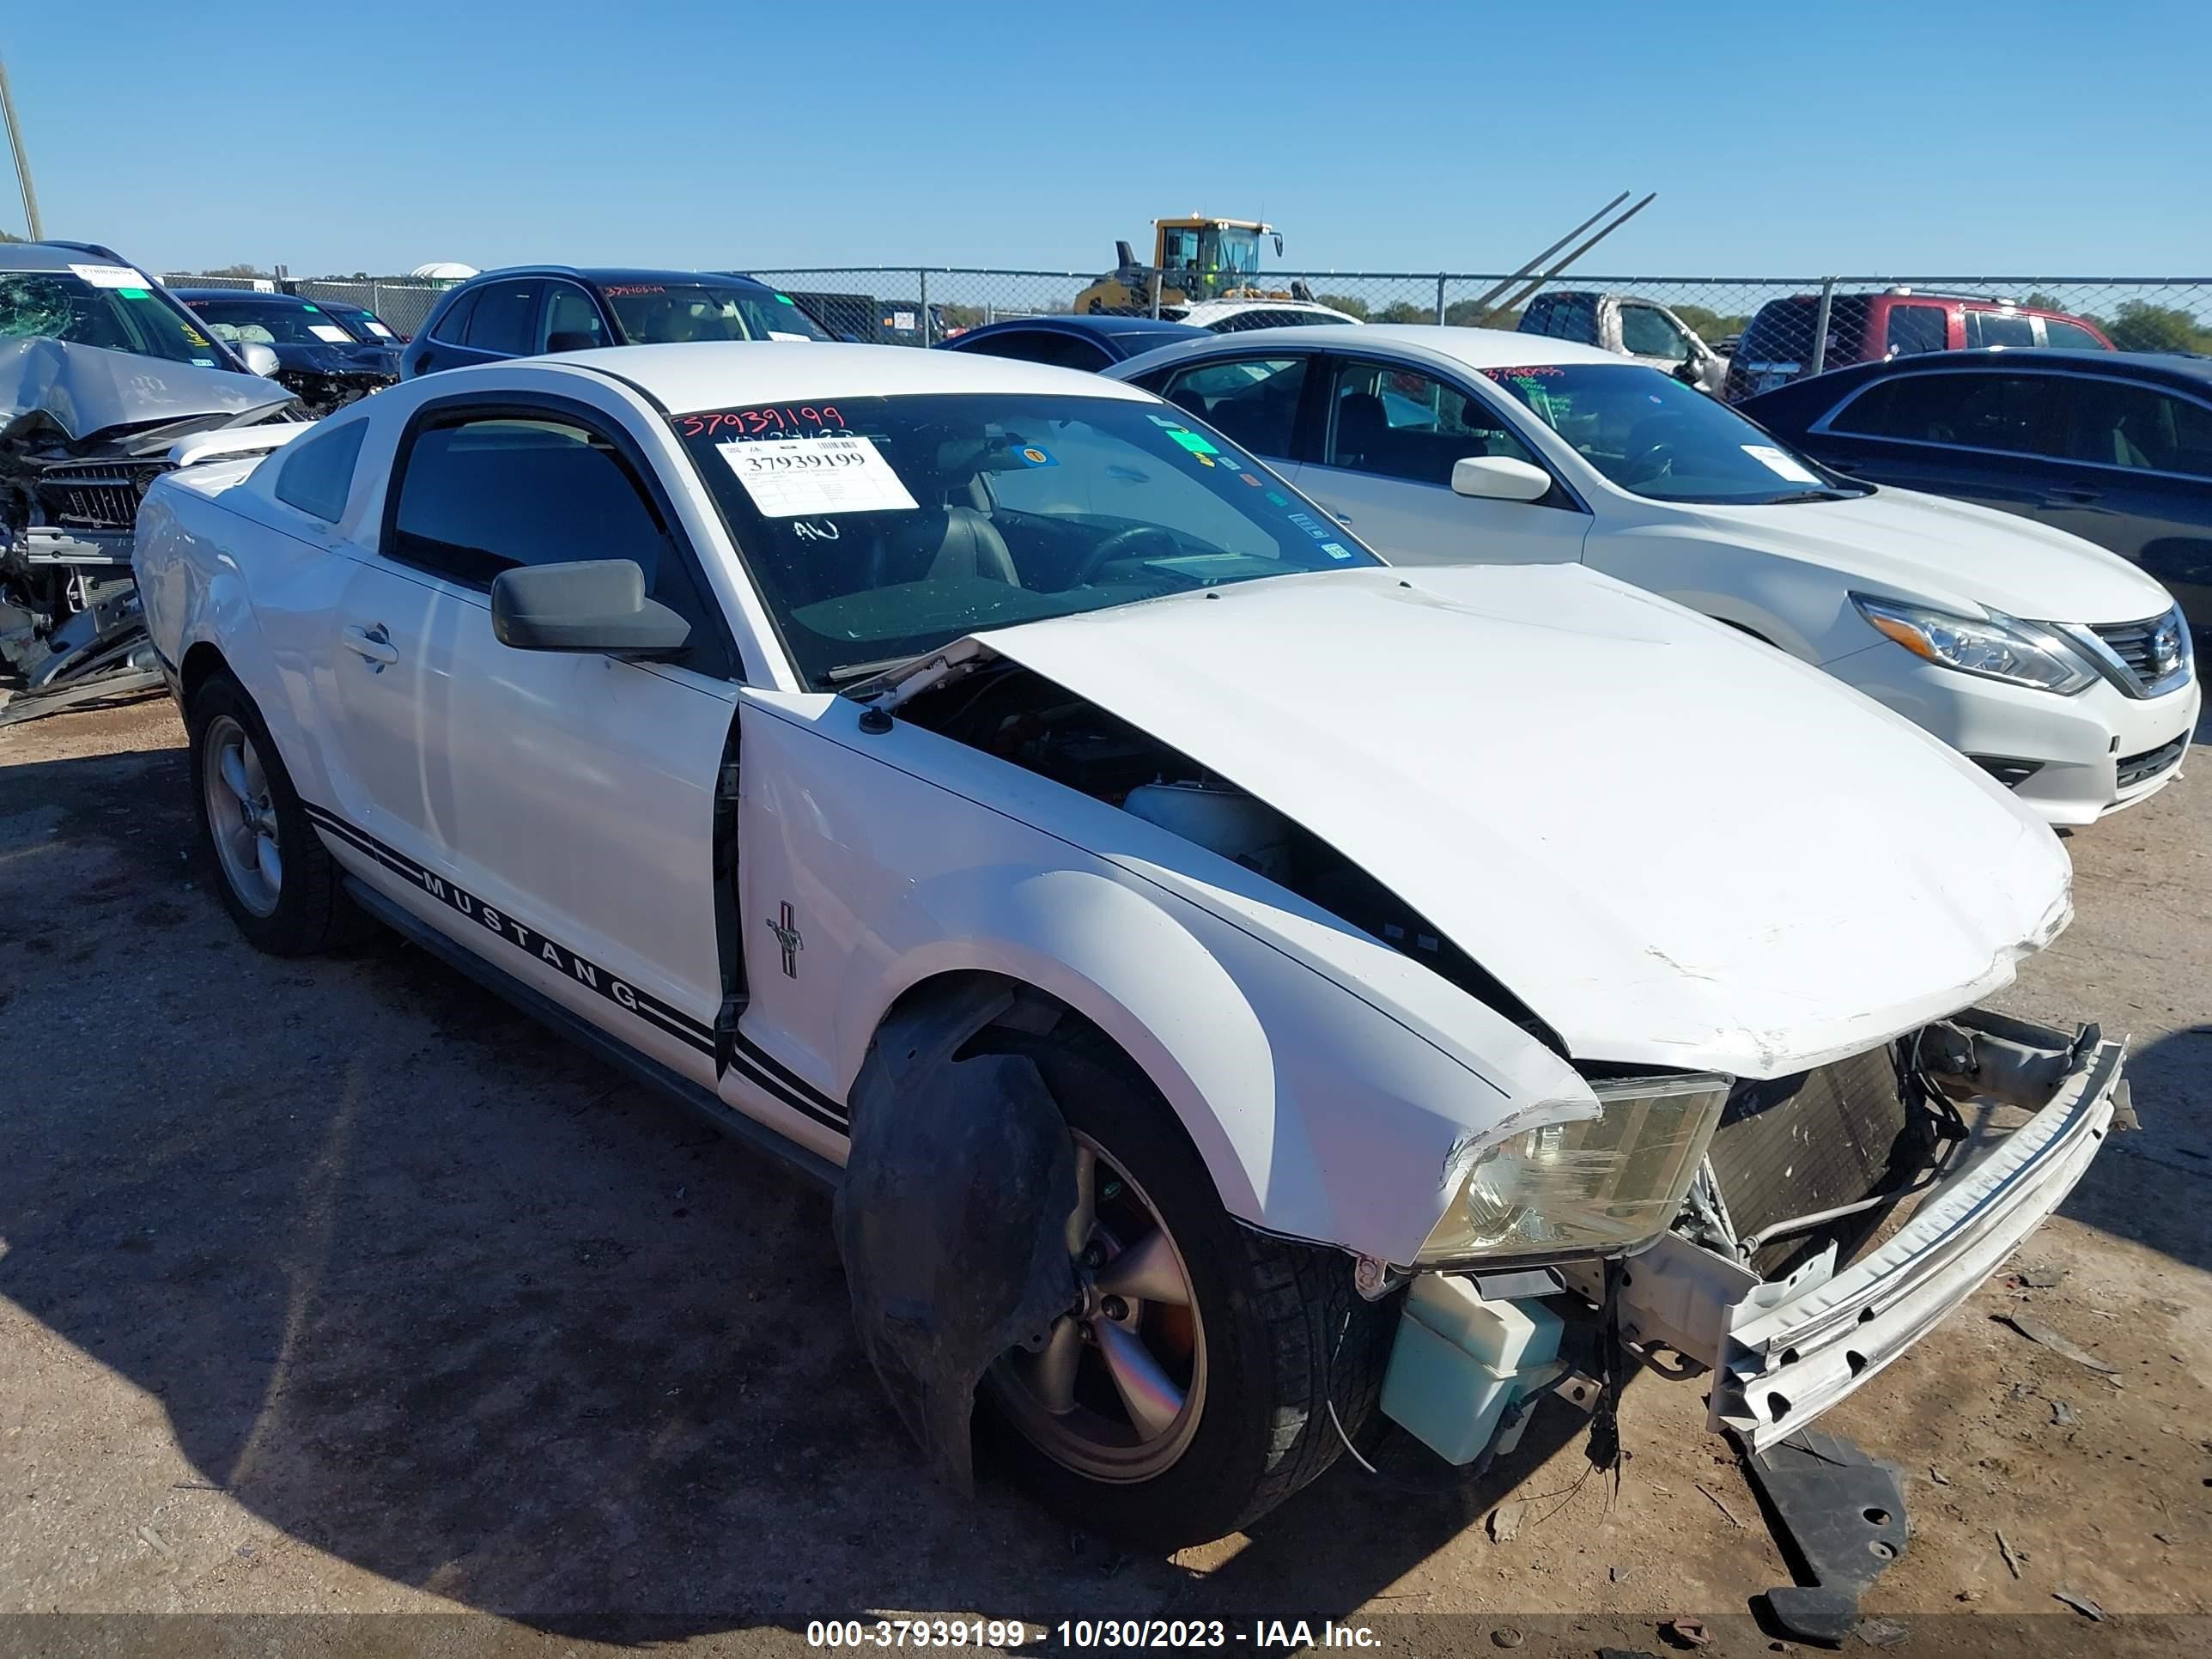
(1390, 434)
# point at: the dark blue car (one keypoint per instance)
(2114, 447)
(529, 310)
(1071, 342)
(319, 357)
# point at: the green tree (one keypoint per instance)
(2139, 325)
(1465, 313)
(1348, 303)
(1711, 326)
(234, 270)
(1404, 311)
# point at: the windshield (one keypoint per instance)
(663, 313)
(364, 324)
(1647, 432)
(270, 322)
(1230, 250)
(878, 528)
(110, 310)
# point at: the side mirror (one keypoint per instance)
(257, 358)
(1499, 478)
(592, 604)
(569, 339)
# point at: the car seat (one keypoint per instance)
(943, 544)
(1363, 431)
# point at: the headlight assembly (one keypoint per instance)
(1996, 647)
(1602, 1185)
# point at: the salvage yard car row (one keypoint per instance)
(1315, 880)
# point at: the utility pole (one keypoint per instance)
(22, 162)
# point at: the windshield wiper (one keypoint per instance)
(849, 673)
(1814, 495)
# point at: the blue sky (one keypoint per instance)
(1864, 138)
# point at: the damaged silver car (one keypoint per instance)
(101, 374)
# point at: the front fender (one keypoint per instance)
(1318, 1115)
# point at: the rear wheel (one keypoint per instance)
(1189, 1391)
(273, 873)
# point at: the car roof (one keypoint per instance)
(53, 256)
(2182, 369)
(724, 373)
(1230, 307)
(256, 294)
(1088, 323)
(1469, 348)
(600, 276)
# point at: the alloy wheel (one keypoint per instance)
(242, 815)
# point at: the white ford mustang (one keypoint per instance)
(1401, 947)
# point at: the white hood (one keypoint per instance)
(1680, 847)
(1951, 553)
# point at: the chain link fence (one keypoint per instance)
(1833, 320)
(404, 302)
(1767, 330)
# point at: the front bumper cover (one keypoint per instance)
(1783, 1352)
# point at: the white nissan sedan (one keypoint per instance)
(999, 794)
(2060, 669)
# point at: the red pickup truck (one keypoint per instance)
(1895, 323)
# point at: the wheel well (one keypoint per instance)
(1037, 1013)
(201, 660)
(1032, 1010)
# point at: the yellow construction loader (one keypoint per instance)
(1194, 257)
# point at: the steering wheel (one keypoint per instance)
(1118, 546)
(1648, 462)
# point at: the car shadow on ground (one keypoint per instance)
(423, 1285)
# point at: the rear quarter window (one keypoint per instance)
(315, 473)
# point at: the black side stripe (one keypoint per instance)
(780, 1077)
(757, 1064)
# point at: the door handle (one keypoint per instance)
(2070, 495)
(373, 643)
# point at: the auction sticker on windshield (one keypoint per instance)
(1781, 465)
(109, 276)
(803, 477)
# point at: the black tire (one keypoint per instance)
(1284, 1331)
(312, 912)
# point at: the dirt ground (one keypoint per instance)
(338, 1288)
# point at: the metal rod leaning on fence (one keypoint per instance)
(1819, 357)
(1482, 300)
(1525, 294)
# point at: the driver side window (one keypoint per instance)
(1646, 332)
(1397, 423)
(569, 312)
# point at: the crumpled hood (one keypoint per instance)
(85, 390)
(1679, 847)
(330, 358)
(1953, 553)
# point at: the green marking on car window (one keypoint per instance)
(1191, 440)
(785, 299)
(315, 308)
(1279, 501)
(135, 292)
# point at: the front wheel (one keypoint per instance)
(1189, 1392)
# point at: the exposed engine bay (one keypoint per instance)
(1017, 714)
(83, 431)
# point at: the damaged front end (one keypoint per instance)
(83, 434)
(1791, 1228)
(1837, 1217)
